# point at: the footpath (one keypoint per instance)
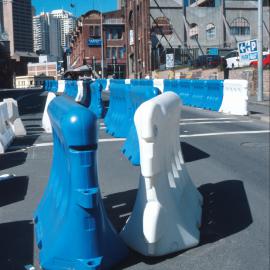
(259, 109)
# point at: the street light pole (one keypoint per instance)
(260, 53)
(102, 47)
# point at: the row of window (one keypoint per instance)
(115, 33)
(115, 52)
(239, 27)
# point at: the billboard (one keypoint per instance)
(248, 50)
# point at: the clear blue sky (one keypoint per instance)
(81, 6)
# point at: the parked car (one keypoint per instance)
(208, 61)
(233, 60)
(266, 62)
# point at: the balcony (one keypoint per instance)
(113, 21)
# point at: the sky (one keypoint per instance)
(80, 6)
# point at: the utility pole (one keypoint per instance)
(260, 53)
(102, 47)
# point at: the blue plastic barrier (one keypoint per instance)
(214, 94)
(137, 95)
(103, 83)
(71, 226)
(96, 105)
(142, 82)
(71, 88)
(198, 93)
(117, 119)
(184, 90)
(50, 86)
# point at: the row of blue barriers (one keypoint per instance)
(85, 92)
(205, 94)
(124, 101)
(127, 95)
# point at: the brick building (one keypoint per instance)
(138, 38)
(86, 43)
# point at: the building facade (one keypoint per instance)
(67, 24)
(47, 68)
(138, 41)
(18, 24)
(97, 38)
(51, 31)
(187, 29)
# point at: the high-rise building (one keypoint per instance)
(41, 33)
(18, 24)
(47, 35)
(67, 24)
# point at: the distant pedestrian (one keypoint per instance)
(225, 69)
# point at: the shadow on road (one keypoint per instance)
(225, 212)
(13, 190)
(16, 245)
(191, 153)
(12, 159)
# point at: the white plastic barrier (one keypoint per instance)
(14, 117)
(159, 83)
(167, 213)
(6, 132)
(81, 91)
(61, 86)
(107, 88)
(235, 97)
(46, 124)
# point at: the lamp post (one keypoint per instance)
(94, 63)
(260, 54)
(102, 46)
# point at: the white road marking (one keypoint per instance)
(215, 122)
(112, 140)
(123, 139)
(102, 127)
(119, 205)
(43, 144)
(206, 119)
(225, 133)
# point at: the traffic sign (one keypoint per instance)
(170, 60)
(248, 50)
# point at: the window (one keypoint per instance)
(116, 33)
(194, 31)
(121, 52)
(108, 52)
(97, 31)
(94, 31)
(210, 31)
(91, 30)
(108, 34)
(114, 52)
(240, 27)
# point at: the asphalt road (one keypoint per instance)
(227, 158)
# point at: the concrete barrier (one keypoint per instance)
(14, 117)
(6, 131)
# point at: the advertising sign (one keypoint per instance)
(94, 42)
(248, 50)
(169, 60)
